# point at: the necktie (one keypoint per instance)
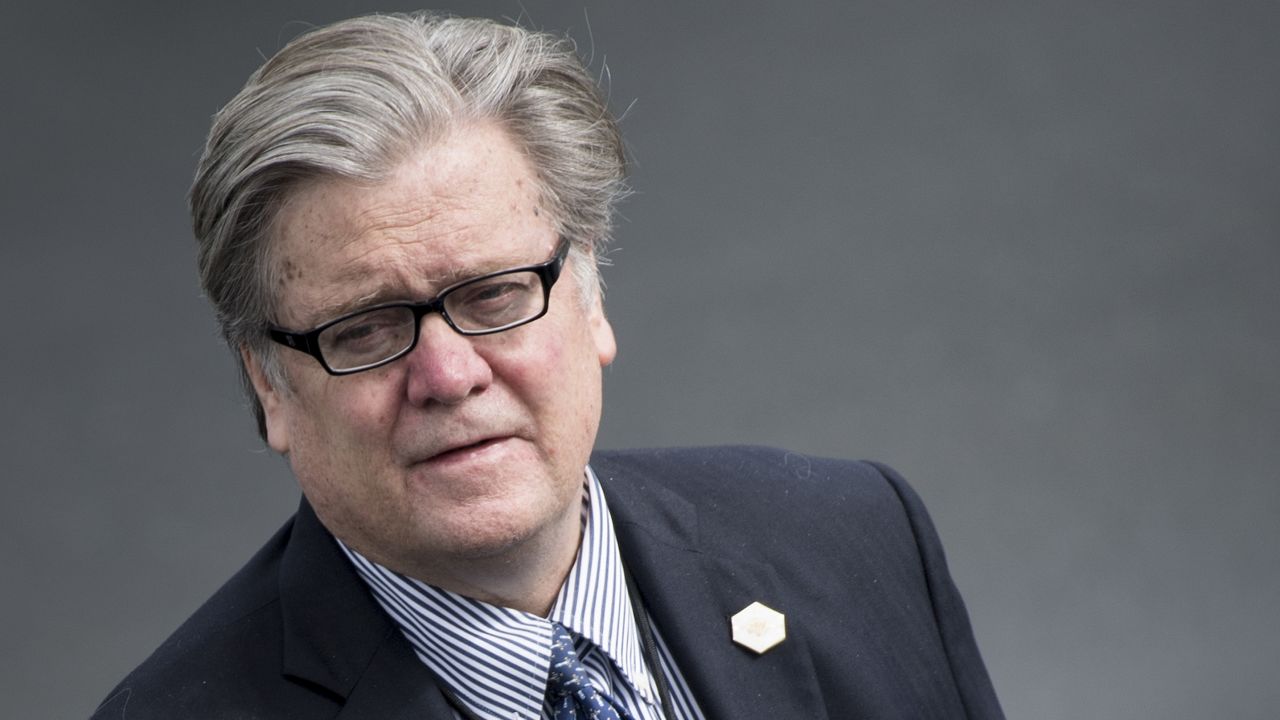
(569, 690)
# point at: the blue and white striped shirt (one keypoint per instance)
(496, 660)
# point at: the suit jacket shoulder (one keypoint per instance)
(294, 634)
(206, 664)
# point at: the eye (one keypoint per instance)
(497, 301)
(372, 332)
(494, 292)
(359, 332)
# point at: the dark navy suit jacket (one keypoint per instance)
(875, 626)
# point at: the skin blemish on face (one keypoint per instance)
(289, 271)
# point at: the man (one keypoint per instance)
(398, 221)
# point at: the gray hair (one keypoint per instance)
(350, 101)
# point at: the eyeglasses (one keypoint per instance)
(482, 305)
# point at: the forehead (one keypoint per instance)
(465, 205)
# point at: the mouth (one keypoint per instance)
(463, 452)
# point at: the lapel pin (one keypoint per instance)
(759, 627)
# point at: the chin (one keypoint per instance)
(489, 530)
(492, 530)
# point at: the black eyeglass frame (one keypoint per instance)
(309, 341)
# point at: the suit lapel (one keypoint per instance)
(337, 638)
(691, 592)
(396, 686)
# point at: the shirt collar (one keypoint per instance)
(594, 601)
(496, 659)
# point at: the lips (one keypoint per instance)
(433, 439)
(462, 449)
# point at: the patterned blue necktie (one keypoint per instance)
(569, 690)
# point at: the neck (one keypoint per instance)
(526, 576)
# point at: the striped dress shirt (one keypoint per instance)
(494, 661)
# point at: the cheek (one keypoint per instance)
(570, 380)
(534, 372)
(553, 378)
(346, 412)
(342, 458)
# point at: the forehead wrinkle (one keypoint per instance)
(384, 274)
(413, 205)
(393, 225)
(398, 253)
(371, 278)
(384, 228)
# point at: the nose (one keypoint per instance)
(444, 367)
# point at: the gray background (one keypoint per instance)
(1025, 252)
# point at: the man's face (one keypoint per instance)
(468, 447)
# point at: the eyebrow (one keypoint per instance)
(329, 311)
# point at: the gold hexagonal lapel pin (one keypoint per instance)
(759, 627)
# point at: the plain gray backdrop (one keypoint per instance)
(1028, 253)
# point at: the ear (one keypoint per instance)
(272, 401)
(601, 332)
